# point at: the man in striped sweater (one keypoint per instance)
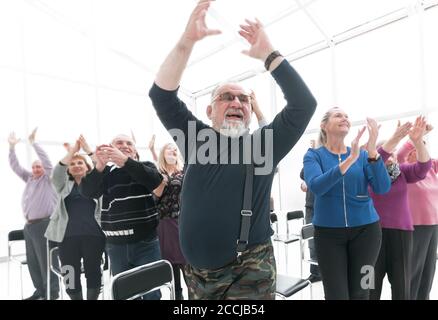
(129, 216)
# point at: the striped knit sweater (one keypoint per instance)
(129, 213)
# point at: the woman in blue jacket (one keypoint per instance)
(347, 231)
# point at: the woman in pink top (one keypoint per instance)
(395, 257)
(423, 200)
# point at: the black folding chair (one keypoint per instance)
(307, 232)
(290, 237)
(287, 286)
(136, 282)
(14, 238)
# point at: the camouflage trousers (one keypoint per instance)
(252, 276)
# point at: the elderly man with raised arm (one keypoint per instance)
(228, 249)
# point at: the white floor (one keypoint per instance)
(293, 268)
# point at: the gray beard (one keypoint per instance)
(233, 130)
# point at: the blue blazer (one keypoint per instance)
(343, 200)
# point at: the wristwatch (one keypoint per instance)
(371, 160)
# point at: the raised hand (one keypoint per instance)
(256, 36)
(418, 131)
(76, 147)
(355, 146)
(429, 128)
(67, 146)
(151, 145)
(32, 135)
(71, 151)
(256, 107)
(402, 130)
(354, 152)
(84, 145)
(373, 133)
(196, 28)
(13, 140)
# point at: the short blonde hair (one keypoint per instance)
(162, 165)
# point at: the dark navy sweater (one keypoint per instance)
(212, 194)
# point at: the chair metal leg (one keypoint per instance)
(21, 280)
(311, 290)
(103, 284)
(48, 271)
(280, 296)
(9, 276)
(286, 258)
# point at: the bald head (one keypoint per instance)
(37, 169)
(230, 109)
(126, 145)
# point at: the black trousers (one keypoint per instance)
(424, 261)
(395, 259)
(345, 257)
(88, 248)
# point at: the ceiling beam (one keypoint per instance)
(339, 38)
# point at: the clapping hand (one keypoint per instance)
(418, 131)
(254, 33)
(373, 133)
(151, 145)
(355, 147)
(32, 136)
(13, 140)
(196, 28)
(112, 154)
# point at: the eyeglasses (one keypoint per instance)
(229, 97)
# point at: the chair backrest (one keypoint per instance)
(273, 217)
(138, 281)
(292, 215)
(307, 233)
(16, 235)
(16, 247)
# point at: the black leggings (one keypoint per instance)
(72, 250)
(395, 260)
(345, 256)
(424, 260)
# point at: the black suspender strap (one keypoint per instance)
(246, 211)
